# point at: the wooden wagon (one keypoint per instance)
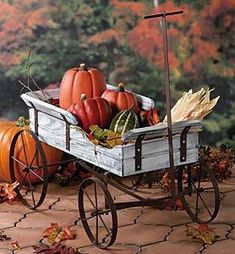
(144, 150)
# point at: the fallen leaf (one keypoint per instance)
(55, 248)
(15, 245)
(56, 233)
(178, 203)
(4, 237)
(7, 192)
(202, 233)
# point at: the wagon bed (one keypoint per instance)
(144, 149)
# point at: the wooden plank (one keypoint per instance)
(160, 145)
(158, 162)
(34, 102)
(160, 130)
(38, 100)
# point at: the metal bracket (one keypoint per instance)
(67, 133)
(35, 118)
(183, 143)
(138, 152)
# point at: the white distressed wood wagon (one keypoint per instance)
(144, 150)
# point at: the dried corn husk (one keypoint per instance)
(193, 106)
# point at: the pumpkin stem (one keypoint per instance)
(22, 122)
(83, 97)
(82, 67)
(121, 87)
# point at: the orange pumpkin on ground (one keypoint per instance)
(91, 111)
(24, 147)
(78, 81)
(121, 99)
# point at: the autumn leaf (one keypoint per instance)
(113, 139)
(104, 137)
(56, 233)
(98, 133)
(7, 192)
(15, 245)
(202, 233)
(55, 248)
(166, 181)
(178, 203)
(4, 237)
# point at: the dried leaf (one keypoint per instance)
(15, 245)
(113, 139)
(178, 203)
(104, 137)
(166, 181)
(56, 248)
(7, 192)
(98, 133)
(4, 237)
(55, 233)
(202, 233)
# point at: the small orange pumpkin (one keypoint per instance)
(77, 81)
(8, 130)
(120, 99)
(91, 111)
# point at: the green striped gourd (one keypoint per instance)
(125, 120)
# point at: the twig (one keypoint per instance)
(30, 78)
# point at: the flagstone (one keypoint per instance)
(116, 249)
(25, 237)
(165, 217)
(170, 247)
(43, 219)
(221, 247)
(8, 219)
(141, 234)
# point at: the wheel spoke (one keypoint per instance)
(34, 156)
(92, 203)
(96, 217)
(31, 189)
(35, 174)
(24, 149)
(197, 190)
(21, 163)
(205, 205)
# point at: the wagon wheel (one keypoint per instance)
(201, 197)
(29, 167)
(97, 212)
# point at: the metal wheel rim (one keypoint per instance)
(111, 205)
(213, 181)
(41, 153)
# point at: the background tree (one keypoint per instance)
(113, 36)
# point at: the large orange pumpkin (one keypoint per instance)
(77, 81)
(8, 130)
(120, 99)
(91, 111)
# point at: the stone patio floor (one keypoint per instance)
(142, 230)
